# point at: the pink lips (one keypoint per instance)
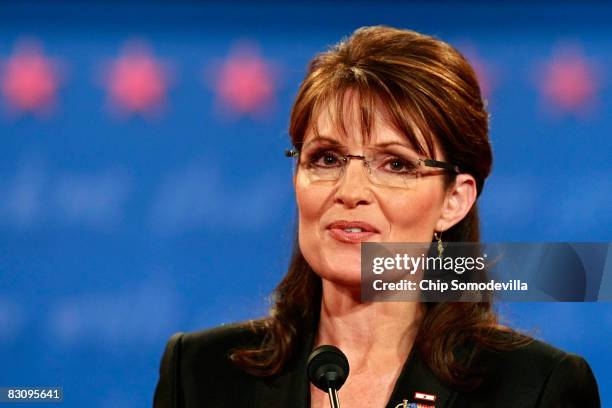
(337, 231)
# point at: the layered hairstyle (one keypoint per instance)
(426, 87)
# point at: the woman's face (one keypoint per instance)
(395, 214)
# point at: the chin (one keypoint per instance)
(343, 279)
(343, 268)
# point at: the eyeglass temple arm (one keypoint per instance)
(442, 165)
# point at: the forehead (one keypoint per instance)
(353, 121)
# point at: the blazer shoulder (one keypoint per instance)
(539, 356)
(196, 366)
(539, 372)
(570, 383)
(215, 344)
(166, 394)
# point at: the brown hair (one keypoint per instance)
(427, 87)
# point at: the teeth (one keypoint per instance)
(354, 229)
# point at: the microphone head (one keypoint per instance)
(327, 367)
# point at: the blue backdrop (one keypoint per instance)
(143, 188)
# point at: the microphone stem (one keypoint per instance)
(333, 397)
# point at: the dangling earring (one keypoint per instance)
(438, 237)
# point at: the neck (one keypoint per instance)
(384, 331)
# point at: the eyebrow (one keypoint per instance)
(337, 142)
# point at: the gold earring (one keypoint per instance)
(438, 237)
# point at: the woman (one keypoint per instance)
(391, 139)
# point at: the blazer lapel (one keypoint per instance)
(292, 387)
(289, 389)
(418, 384)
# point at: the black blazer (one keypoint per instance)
(195, 372)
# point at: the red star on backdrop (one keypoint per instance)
(29, 80)
(244, 82)
(568, 81)
(136, 82)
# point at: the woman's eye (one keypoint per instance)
(325, 159)
(397, 165)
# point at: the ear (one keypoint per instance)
(458, 201)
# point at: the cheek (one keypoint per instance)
(310, 201)
(329, 259)
(412, 217)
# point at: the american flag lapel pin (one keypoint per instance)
(424, 397)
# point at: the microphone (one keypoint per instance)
(328, 369)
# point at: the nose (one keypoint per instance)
(353, 186)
